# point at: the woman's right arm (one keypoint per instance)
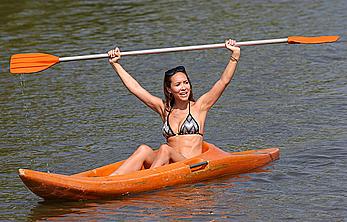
(133, 86)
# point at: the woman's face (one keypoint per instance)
(180, 87)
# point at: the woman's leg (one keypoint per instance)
(166, 154)
(143, 155)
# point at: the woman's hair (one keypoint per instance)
(169, 99)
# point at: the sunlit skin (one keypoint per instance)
(179, 147)
(187, 145)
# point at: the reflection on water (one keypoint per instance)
(199, 201)
(175, 203)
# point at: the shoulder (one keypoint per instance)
(196, 105)
(204, 103)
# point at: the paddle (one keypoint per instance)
(36, 62)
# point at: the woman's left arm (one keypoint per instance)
(210, 98)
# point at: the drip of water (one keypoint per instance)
(25, 105)
(22, 83)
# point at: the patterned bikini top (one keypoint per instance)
(189, 126)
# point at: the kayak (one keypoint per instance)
(97, 184)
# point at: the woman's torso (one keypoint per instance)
(187, 145)
(184, 129)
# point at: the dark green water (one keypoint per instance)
(77, 115)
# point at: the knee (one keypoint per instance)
(144, 149)
(164, 149)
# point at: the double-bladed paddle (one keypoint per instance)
(36, 62)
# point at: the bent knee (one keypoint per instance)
(144, 149)
(165, 148)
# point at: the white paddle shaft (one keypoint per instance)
(175, 49)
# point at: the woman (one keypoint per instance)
(183, 117)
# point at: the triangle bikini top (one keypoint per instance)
(189, 126)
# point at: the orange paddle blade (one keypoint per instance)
(312, 40)
(31, 62)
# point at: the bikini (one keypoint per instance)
(189, 126)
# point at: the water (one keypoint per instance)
(77, 115)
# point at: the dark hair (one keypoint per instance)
(169, 99)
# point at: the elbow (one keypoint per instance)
(225, 82)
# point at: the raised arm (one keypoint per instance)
(133, 86)
(210, 98)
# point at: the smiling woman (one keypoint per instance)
(179, 112)
(177, 82)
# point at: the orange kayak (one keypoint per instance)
(97, 184)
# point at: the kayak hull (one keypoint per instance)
(97, 184)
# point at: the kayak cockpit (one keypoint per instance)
(108, 169)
